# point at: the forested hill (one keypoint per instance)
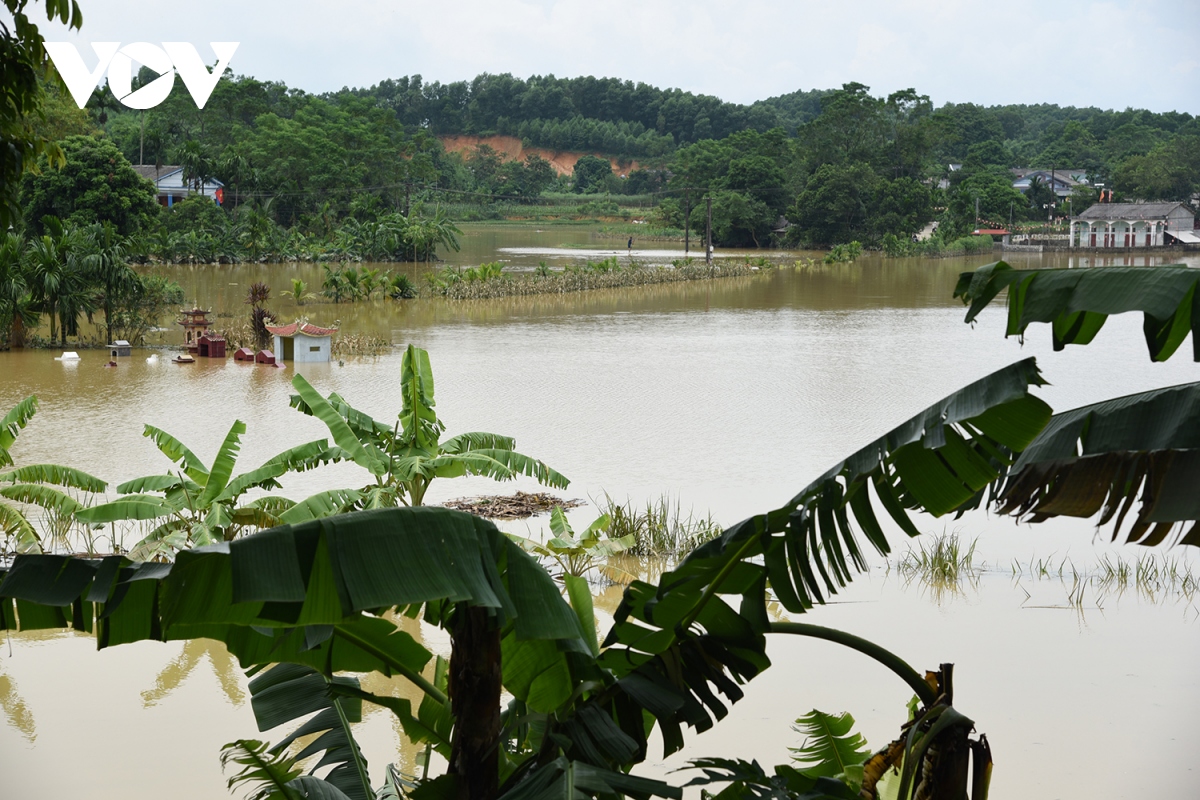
(605, 114)
(623, 118)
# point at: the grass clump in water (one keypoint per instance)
(660, 529)
(944, 563)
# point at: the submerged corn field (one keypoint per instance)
(488, 281)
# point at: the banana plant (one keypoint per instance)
(408, 455)
(32, 485)
(576, 555)
(197, 505)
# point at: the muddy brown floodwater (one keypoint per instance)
(728, 395)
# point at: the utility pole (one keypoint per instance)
(142, 140)
(687, 219)
(976, 212)
(708, 233)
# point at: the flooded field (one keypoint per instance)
(729, 395)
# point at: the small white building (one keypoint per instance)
(1134, 225)
(302, 342)
(169, 187)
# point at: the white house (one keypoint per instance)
(170, 188)
(1134, 225)
(302, 342)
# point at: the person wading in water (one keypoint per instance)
(629, 247)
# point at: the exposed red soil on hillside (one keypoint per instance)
(512, 149)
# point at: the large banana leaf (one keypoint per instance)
(830, 744)
(322, 504)
(297, 593)
(13, 523)
(477, 440)
(418, 420)
(175, 450)
(365, 427)
(43, 496)
(1078, 301)
(12, 423)
(129, 507)
(343, 436)
(499, 465)
(223, 464)
(1104, 457)
(159, 483)
(55, 474)
(287, 692)
(296, 459)
(681, 643)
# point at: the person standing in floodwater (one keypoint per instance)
(629, 246)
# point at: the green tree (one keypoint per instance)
(835, 205)
(404, 458)
(590, 174)
(96, 184)
(107, 268)
(17, 310)
(58, 278)
(140, 306)
(1169, 172)
(197, 165)
(996, 197)
(24, 69)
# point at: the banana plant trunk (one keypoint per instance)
(474, 683)
(944, 769)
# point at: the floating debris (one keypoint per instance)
(517, 506)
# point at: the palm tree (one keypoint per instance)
(60, 274)
(197, 166)
(406, 457)
(16, 305)
(107, 267)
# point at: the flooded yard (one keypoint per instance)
(729, 395)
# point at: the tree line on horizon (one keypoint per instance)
(838, 165)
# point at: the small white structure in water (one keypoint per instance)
(302, 342)
(68, 355)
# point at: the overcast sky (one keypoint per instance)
(1139, 53)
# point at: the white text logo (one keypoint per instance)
(172, 57)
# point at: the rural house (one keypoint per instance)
(1062, 181)
(1134, 225)
(169, 186)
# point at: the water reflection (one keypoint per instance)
(224, 667)
(15, 709)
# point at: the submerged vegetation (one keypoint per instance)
(659, 529)
(947, 564)
(488, 280)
